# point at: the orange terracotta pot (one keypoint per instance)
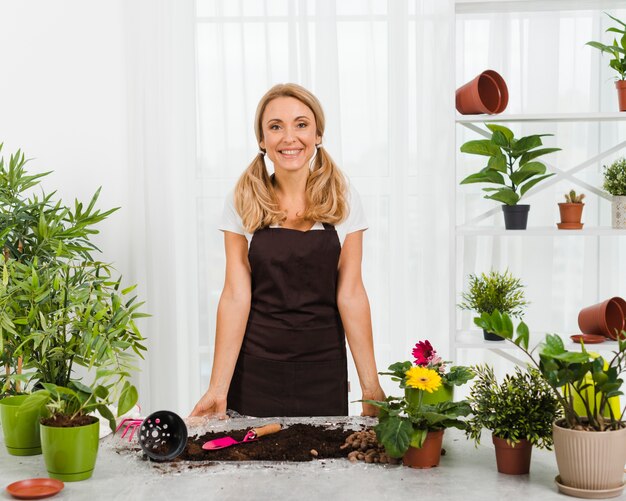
(487, 93)
(603, 318)
(426, 456)
(620, 85)
(571, 214)
(512, 460)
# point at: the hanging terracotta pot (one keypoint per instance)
(604, 319)
(428, 455)
(571, 214)
(620, 85)
(487, 93)
(591, 463)
(512, 459)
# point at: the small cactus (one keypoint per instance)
(572, 198)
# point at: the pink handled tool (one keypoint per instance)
(251, 436)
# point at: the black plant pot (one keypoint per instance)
(515, 216)
(490, 336)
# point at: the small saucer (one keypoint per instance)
(588, 493)
(35, 488)
(570, 226)
(588, 338)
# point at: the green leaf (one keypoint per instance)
(505, 195)
(529, 184)
(527, 171)
(128, 399)
(508, 134)
(522, 335)
(484, 176)
(498, 163)
(395, 434)
(481, 147)
(500, 139)
(530, 155)
(418, 438)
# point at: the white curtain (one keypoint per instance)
(376, 67)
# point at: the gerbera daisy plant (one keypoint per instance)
(427, 402)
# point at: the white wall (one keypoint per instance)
(63, 102)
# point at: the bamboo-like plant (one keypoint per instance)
(617, 50)
(59, 307)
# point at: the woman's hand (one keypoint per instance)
(210, 406)
(376, 394)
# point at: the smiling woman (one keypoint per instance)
(293, 276)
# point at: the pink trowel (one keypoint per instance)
(252, 435)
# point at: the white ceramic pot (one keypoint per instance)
(618, 212)
(590, 461)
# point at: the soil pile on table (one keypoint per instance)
(298, 442)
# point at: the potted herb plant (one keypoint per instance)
(519, 412)
(618, 63)
(571, 211)
(615, 184)
(59, 307)
(590, 446)
(494, 291)
(412, 429)
(511, 167)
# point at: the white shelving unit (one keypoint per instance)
(466, 339)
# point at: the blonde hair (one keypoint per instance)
(256, 201)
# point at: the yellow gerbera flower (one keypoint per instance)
(423, 379)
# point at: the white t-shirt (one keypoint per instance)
(355, 221)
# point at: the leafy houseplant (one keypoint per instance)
(618, 62)
(519, 412)
(512, 181)
(59, 307)
(571, 211)
(406, 424)
(494, 291)
(615, 184)
(598, 430)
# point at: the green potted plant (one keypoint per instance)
(618, 62)
(412, 429)
(511, 167)
(59, 307)
(519, 412)
(571, 211)
(615, 184)
(590, 446)
(494, 291)
(69, 436)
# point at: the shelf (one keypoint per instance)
(493, 6)
(474, 340)
(543, 117)
(542, 231)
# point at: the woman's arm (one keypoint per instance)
(355, 314)
(232, 315)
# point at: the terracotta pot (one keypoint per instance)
(618, 212)
(603, 318)
(571, 214)
(620, 85)
(426, 456)
(487, 93)
(590, 461)
(512, 460)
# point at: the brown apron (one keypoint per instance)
(293, 358)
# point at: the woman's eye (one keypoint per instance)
(274, 127)
(302, 125)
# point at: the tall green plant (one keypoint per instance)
(511, 166)
(617, 50)
(59, 307)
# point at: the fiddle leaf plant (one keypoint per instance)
(511, 164)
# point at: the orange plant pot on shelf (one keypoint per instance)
(571, 215)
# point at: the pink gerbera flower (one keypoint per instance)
(422, 352)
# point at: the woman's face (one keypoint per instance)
(289, 133)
